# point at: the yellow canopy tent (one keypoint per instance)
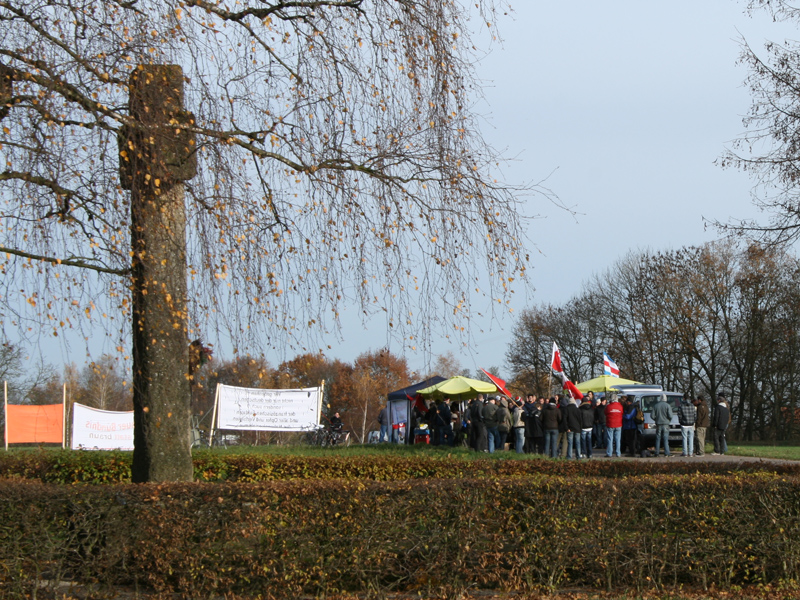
(457, 387)
(604, 383)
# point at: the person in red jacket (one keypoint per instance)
(614, 412)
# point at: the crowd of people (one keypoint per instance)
(561, 426)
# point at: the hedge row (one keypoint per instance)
(114, 467)
(437, 537)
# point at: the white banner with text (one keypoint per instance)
(254, 409)
(95, 429)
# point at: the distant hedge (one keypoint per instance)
(67, 467)
(431, 536)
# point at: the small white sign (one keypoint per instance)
(95, 429)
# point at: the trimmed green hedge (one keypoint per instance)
(67, 467)
(437, 536)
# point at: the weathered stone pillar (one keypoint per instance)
(155, 158)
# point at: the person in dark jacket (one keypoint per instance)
(721, 420)
(629, 429)
(563, 428)
(504, 423)
(587, 424)
(384, 422)
(534, 433)
(599, 434)
(490, 420)
(551, 418)
(574, 426)
(431, 420)
(687, 415)
(444, 423)
(477, 427)
(701, 426)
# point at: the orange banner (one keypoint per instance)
(35, 423)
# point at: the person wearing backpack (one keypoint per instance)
(687, 415)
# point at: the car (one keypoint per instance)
(647, 396)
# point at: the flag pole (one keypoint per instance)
(64, 417)
(320, 399)
(213, 418)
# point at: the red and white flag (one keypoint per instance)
(555, 362)
(609, 366)
(501, 385)
(573, 391)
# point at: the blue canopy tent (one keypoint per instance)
(413, 389)
(399, 403)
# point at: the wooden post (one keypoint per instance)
(156, 156)
(213, 418)
(64, 416)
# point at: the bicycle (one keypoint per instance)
(326, 437)
(200, 439)
(340, 438)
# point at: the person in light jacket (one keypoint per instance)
(662, 415)
(518, 426)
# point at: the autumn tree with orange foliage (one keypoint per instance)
(310, 370)
(375, 374)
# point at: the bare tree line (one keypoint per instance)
(718, 318)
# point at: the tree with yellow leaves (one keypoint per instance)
(174, 166)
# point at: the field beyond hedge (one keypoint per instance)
(439, 526)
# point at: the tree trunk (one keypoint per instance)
(155, 170)
(364, 420)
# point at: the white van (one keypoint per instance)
(647, 396)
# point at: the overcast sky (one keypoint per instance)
(623, 106)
